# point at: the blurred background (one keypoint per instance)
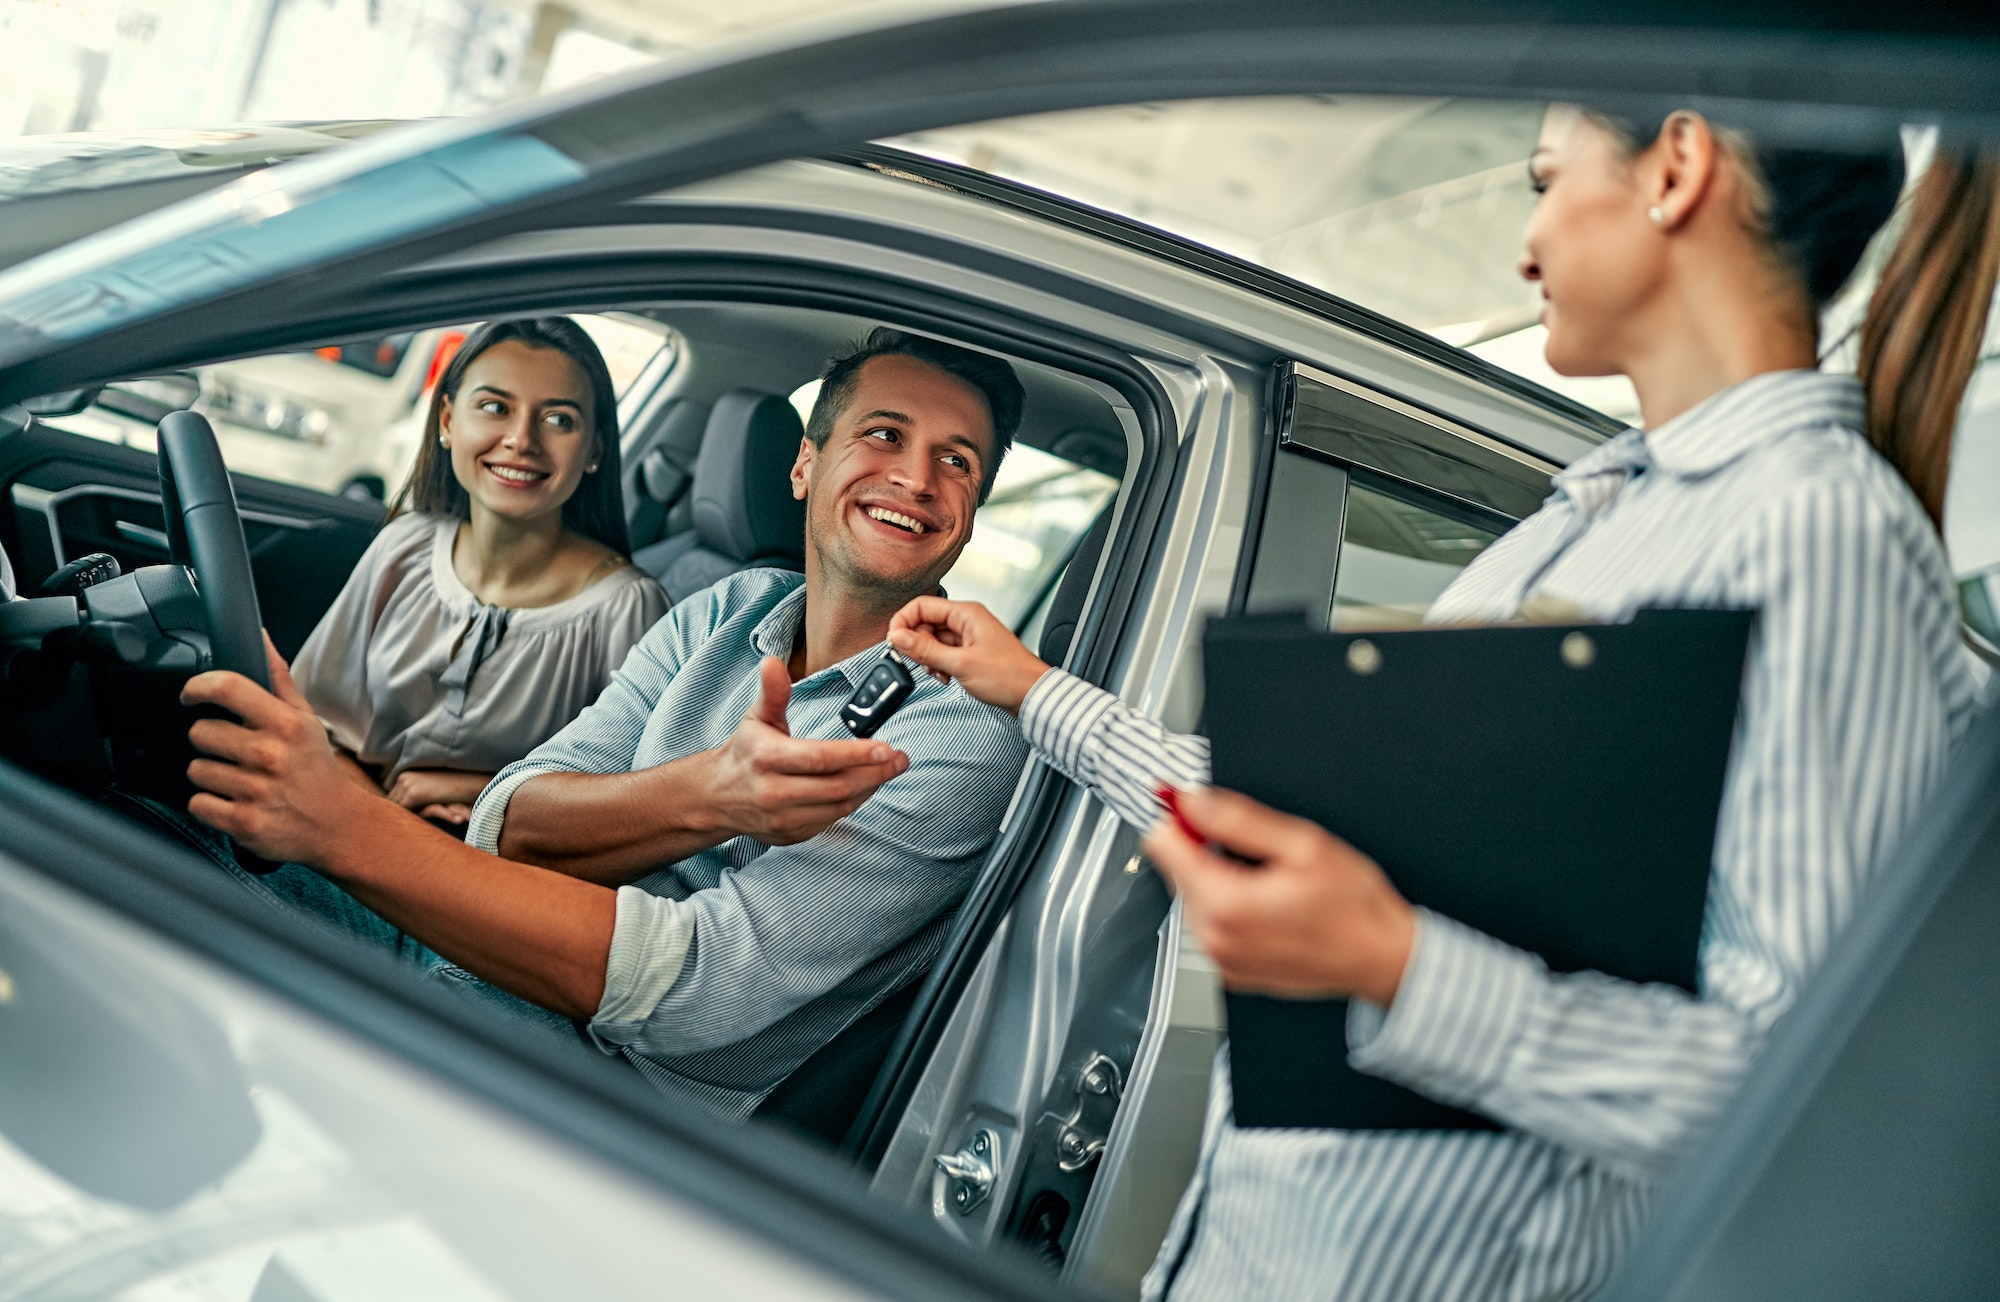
(1413, 208)
(1410, 207)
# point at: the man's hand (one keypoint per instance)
(963, 640)
(275, 782)
(768, 785)
(444, 794)
(1309, 917)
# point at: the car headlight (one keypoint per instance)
(269, 414)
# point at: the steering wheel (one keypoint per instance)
(205, 534)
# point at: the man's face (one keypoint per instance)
(890, 498)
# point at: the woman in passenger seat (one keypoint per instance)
(499, 597)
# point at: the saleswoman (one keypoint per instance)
(1687, 259)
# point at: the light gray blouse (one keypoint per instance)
(409, 670)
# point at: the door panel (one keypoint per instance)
(67, 496)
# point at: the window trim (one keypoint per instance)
(1415, 446)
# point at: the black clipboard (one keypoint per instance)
(1555, 786)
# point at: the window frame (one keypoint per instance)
(1333, 432)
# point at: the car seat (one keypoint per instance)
(1066, 608)
(822, 1098)
(656, 484)
(741, 506)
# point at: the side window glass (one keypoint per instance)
(1400, 549)
(1040, 506)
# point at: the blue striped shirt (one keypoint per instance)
(730, 967)
(1766, 496)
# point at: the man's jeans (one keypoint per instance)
(299, 891)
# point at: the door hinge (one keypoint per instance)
(1099, 1086)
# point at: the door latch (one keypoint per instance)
(969, 1172)
(1098, 1088)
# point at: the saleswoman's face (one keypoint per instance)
(520, 430)
(1590, 244)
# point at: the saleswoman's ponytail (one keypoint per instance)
(1926, 322)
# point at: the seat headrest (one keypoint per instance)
(664, 471)
(742, 497)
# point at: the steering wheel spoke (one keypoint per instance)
(205, 534)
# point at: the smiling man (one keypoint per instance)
(702, 867)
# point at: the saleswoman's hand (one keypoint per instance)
(963, 640)
(1307, 917)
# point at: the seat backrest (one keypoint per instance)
(1066, 608)
(822, 1098)
(658, 481)
(741, 504)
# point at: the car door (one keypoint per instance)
(67, 496)
(201, 1097)
(1370, 505)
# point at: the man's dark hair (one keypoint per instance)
(994, 379)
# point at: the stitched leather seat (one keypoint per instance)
(741, 504)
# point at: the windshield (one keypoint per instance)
(44, 165)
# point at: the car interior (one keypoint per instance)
(93, 663)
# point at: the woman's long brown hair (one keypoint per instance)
(596, 509)
(1926, 322)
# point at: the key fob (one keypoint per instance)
(880, 695)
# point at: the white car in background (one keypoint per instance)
(343, 418)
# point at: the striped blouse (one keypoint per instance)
(1764, 497)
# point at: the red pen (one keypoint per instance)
(1169, 797)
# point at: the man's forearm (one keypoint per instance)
(356, 772)
(609, 828)
(538, 934)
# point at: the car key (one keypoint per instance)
(880, 695)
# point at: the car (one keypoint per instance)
(276, 1114)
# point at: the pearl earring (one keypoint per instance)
(590, 469)
(1657, 214)
(443, 442)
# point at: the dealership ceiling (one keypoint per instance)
(1411, 207)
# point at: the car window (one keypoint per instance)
(1024, 534)
(1399, 549)
(343, 418)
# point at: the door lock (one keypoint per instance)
(969, 1171)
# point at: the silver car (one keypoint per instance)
(202, 1098)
